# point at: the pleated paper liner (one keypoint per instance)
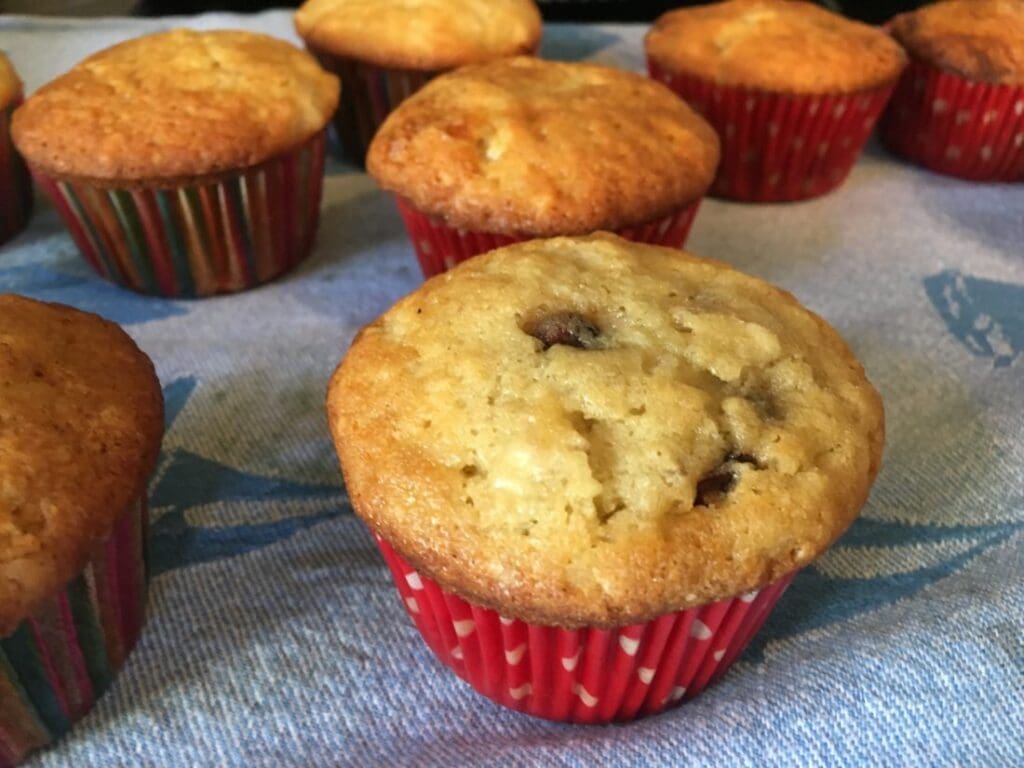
(368, 94)
(15, 184)
(440, 247)
(780, 147)
(223, 236)
(59, 661)
(956, 126)
(587, 675)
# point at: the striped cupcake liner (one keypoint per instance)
(15, 184)
(59, 661)
(440, 247)
(955, 126)
(221, 236)
(368, 95)
(585, 675)
(780, 147)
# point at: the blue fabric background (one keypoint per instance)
(275, 637)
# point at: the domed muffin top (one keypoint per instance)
(176, 105)
(420, 34)
(529, 147)
(774, 45)
(977, 39)
(81, 417)
(588, 431)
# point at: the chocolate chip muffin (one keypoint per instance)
(603, 434)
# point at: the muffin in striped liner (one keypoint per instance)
(385, 50)
(593, 466)
(521, 148)
(15, 185)
(793, 90)
(959, 107)
(220, 193)
(83, 418)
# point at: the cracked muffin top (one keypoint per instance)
(587, 431)
(176, 105)
(420, 34)
(775, 45)
(529, 147)
(977, 39)
(10, 85)
(81, 417)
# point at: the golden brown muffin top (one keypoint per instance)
(420, 34)
(531, 147)
(588, 431)
(176, 105)
(81, 417)
(977, 39)
(10, 85)
(774, 45)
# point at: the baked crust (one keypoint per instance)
(10, 85)
(977, 39)
(420, 34)
(774, 45)
(529, 147)
(177, 104)
(81, 418)
(584, 487)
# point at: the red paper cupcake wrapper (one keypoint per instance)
(957, 126)
(440, 247)
(15, 184)
(59, 661)
(368, 94)
(586, 675)
(221, 236)
(779, 147)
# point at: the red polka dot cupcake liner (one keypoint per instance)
(15, 184)
(219, 236)
(780, 147)
(56, 663)
(440, 247)
(368, 95)
(955, 126)
(587, 675)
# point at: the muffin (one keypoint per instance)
(15, 185)
(792, 89)
(523, 148)
(82, 417)
(959, 107)
(615, 459)
(185, 163)
(385, 50)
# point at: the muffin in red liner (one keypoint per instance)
(495, 154)
(83, 417)
(220, 193)
(385, 50)
(793, 90)
(959, 107)
(15, 185)
(594, 465)
(588, 675)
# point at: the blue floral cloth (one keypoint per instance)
(275, 637)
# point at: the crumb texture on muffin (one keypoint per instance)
(586, 431)
(10, 85)
(420, 34)
(977, 39)
(81, 417)
(774, 45)
(176, 105)
(529, 147)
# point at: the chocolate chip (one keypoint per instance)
(567, 328)
(722, 479)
